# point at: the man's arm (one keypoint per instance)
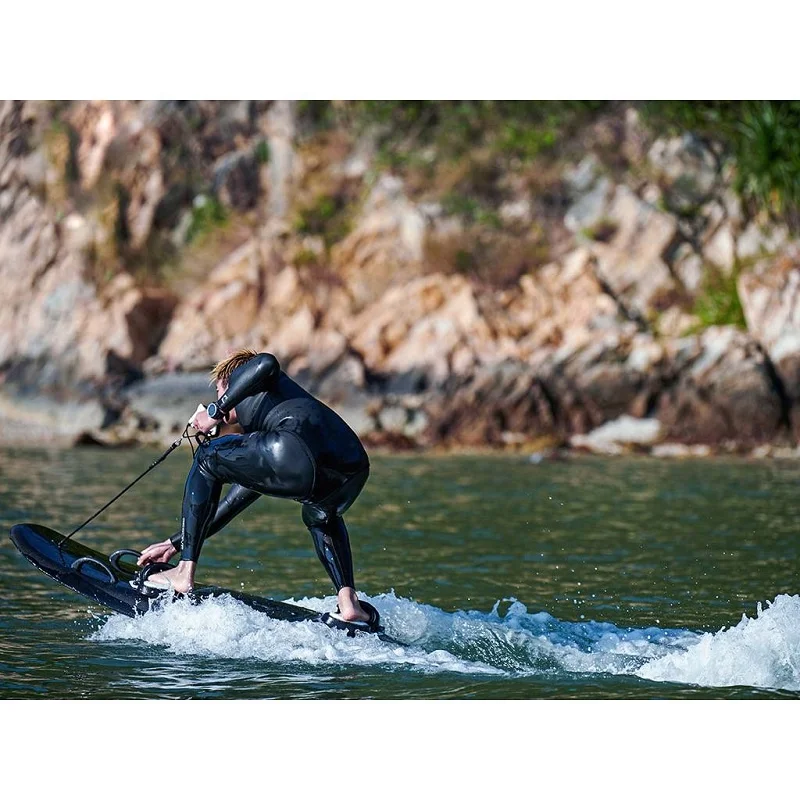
(257, 375)
(235, 501)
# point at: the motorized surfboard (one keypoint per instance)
(115, 581)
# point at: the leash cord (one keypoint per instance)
(162, 457)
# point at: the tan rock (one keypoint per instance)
(218, 315)
(770, 296)
(676, 450)
(675, 322)
(711, 216)
(688, 266)
(326, 349)
(632, 263)
(423, 327)
(721, 249)
(555, 302)
(279, 126)
(132, 320)
(96, 126)
(637, 135)
(294, 336)
(144, 181)
(757, 241)
(386, 246)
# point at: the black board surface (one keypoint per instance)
(107, 579)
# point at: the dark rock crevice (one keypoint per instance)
(780, 389)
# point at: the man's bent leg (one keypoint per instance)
(272, 463)
(332, 544)
(235, 501)
(200, 500)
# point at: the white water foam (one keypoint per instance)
(763, 651)
(760, 652)
(226, 628)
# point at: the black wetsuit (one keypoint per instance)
(293, 446)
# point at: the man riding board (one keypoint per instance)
(293, 446)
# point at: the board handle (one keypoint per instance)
(146, 572)
(79, 562)
(114, 558)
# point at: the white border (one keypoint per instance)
(397, 749)
(430, 50)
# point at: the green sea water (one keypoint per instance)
(503, 578)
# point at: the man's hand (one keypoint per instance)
(160, 551)
(200, 421)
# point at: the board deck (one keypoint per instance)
(107, 579)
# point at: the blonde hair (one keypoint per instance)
(222, 369)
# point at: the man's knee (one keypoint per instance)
(337, 502)
(314, 515)
(212, 456)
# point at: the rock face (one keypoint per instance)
(335, 266)
(255, 299)
(633, 264)
(431, 326)
(58, 330)
(724, 391)
(771, 301)
(687, 168)
(386, 244)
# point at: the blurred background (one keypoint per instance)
(512, 284)
(533, 276)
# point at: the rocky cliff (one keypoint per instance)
(616, 294)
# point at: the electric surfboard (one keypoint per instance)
(116, 582)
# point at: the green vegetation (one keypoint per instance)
(60, 146)
(523, 129)
(207, 214)
(306, 258)
(718, 301)
(471, 210)
(262, 152)
(465, 261)
(602, 231)
(328, 216)
(472, 156)
(761, 137)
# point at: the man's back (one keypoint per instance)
(274, 402)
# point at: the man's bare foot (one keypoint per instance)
(180, 578)
(349, 608)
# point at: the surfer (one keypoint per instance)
(293, 446)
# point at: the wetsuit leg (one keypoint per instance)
(329, 533)
(200, 499)
(274, 463)
(235, 501)
(332, 544)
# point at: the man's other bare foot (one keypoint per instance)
(349, 608)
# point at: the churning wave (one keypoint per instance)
(763, 651)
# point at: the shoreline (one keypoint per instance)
(677, 452)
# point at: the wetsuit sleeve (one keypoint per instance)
(235, 501)
(259, 374)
